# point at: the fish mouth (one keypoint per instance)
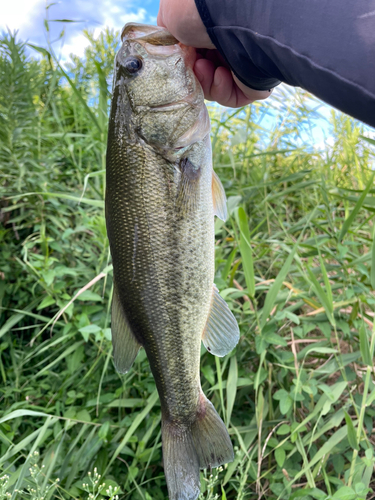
(192, 100)
(171, 106)
(154, 35)
(157, 41)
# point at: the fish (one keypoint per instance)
(161, 198)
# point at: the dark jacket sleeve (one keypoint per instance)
(327, 47)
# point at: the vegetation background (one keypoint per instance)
(295, 262)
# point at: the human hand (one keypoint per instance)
(218, 81)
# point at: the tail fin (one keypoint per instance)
(205, 444)
(181, 463)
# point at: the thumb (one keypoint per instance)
(251, 94)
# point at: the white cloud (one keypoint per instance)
(27, 16)
(134, 17)
(20, 14)
(76, 45)
(115, 21)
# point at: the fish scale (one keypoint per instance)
(160, 275)
(161, 198)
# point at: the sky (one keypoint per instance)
(27, 16)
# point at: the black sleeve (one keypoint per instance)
(327, 47)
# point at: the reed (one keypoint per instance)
(295, 262)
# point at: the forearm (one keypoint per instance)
(325, 47)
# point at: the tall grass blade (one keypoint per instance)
(322, 296)
(365, 346)
(246, 251)
(349, 221)
(136, 422)
(372, 275)
(275, 288)
(231, 387)
(352, 438)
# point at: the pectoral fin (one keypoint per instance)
(125, 345)
(188, 191)
(221, 333)
(219, 198)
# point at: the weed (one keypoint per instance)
(295, 261)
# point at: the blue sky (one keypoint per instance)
(27, 17)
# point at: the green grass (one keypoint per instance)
(295, 262)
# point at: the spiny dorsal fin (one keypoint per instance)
(189, 189)
(125, 345)
(221, 333)
(219, 198)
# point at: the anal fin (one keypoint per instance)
(210, 436)
(221, 333)
(125, 345)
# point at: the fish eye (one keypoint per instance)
(133, 64)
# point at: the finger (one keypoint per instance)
(160, 17)
(218, 84)
(222, 86)
(254, 95)
(182, 19)
(159, 20)
(205, 70)
(215, 56)
(225, 91)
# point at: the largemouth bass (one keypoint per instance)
(161, 198)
